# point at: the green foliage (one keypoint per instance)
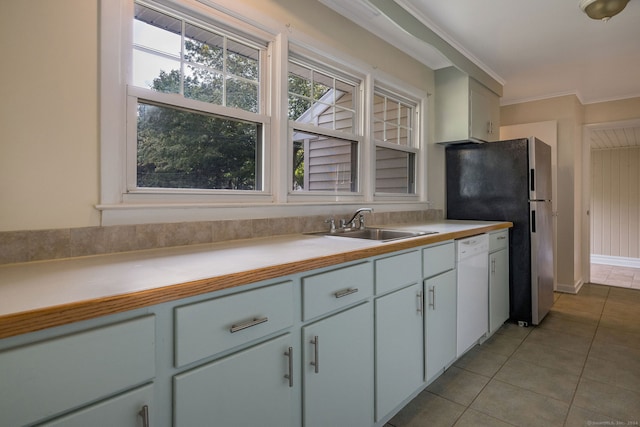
(186, 149)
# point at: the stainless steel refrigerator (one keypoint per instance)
(510, 181)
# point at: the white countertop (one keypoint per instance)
(44, 284)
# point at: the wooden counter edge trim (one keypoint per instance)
(48, 317)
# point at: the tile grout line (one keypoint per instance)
(584, 364)
(490, 379)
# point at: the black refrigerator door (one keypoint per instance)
(490, 181)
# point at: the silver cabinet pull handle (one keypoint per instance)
(345, 292)
(144, 413)
(502, 237)
(250, 323)
(289, 376)
(493, 266)
(315, 362)
(420, 302)
(432, 303)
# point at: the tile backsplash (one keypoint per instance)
(38, 245)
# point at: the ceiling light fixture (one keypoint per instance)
(602, 9)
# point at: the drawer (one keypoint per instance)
(210, 327)
(331, 290)
(122, 411)
(438, 259)
(46, 378)
(397, 271)
(498, 240)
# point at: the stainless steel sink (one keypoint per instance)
(378, 234)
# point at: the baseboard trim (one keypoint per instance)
(615, 260)
(569, 289)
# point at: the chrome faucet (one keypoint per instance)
(351, 223)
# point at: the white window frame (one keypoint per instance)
(119, 207)
(329, 66)
(415, 148)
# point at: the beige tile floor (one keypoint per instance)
(626, 277)
(579, 367)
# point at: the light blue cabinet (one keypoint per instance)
(48, 378)
(249, 388)
(399, 347)
(440, 327)
(340, 346)
(338, 369)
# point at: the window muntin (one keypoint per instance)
(324, 116)
(212, 137)
(395, 144)
(173, 55)
(392, 121)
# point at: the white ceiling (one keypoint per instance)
(624, 134)
(542, 48)
(536, 49)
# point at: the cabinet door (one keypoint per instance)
(498, 289)
(338, 369)
(399, 347)
(248, 388)
(125, 410)
(484, 113)
(479, 116)
(440, 328)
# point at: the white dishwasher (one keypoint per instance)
(472, 259)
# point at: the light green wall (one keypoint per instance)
(49, 118)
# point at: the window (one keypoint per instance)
(195, 124)
(395, 143)
(197, 107)
(324, 118)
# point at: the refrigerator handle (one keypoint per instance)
(533, 180)
(533, 221)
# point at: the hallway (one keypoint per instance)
(579, 367)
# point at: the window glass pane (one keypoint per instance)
(344, 120)
(405, 116)
(392, 113)
(184, 149)
(404, 137)
(156, 72)
(203, 47)
(242, 60)
(322, 86)
(157, 31)
(345, 96)
(242, 94)
(395, 171)
(298, 107)
(203, 85)
(323, 163)
(299, 80)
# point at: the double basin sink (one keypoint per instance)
(377, 234)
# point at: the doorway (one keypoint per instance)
(611, 166)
